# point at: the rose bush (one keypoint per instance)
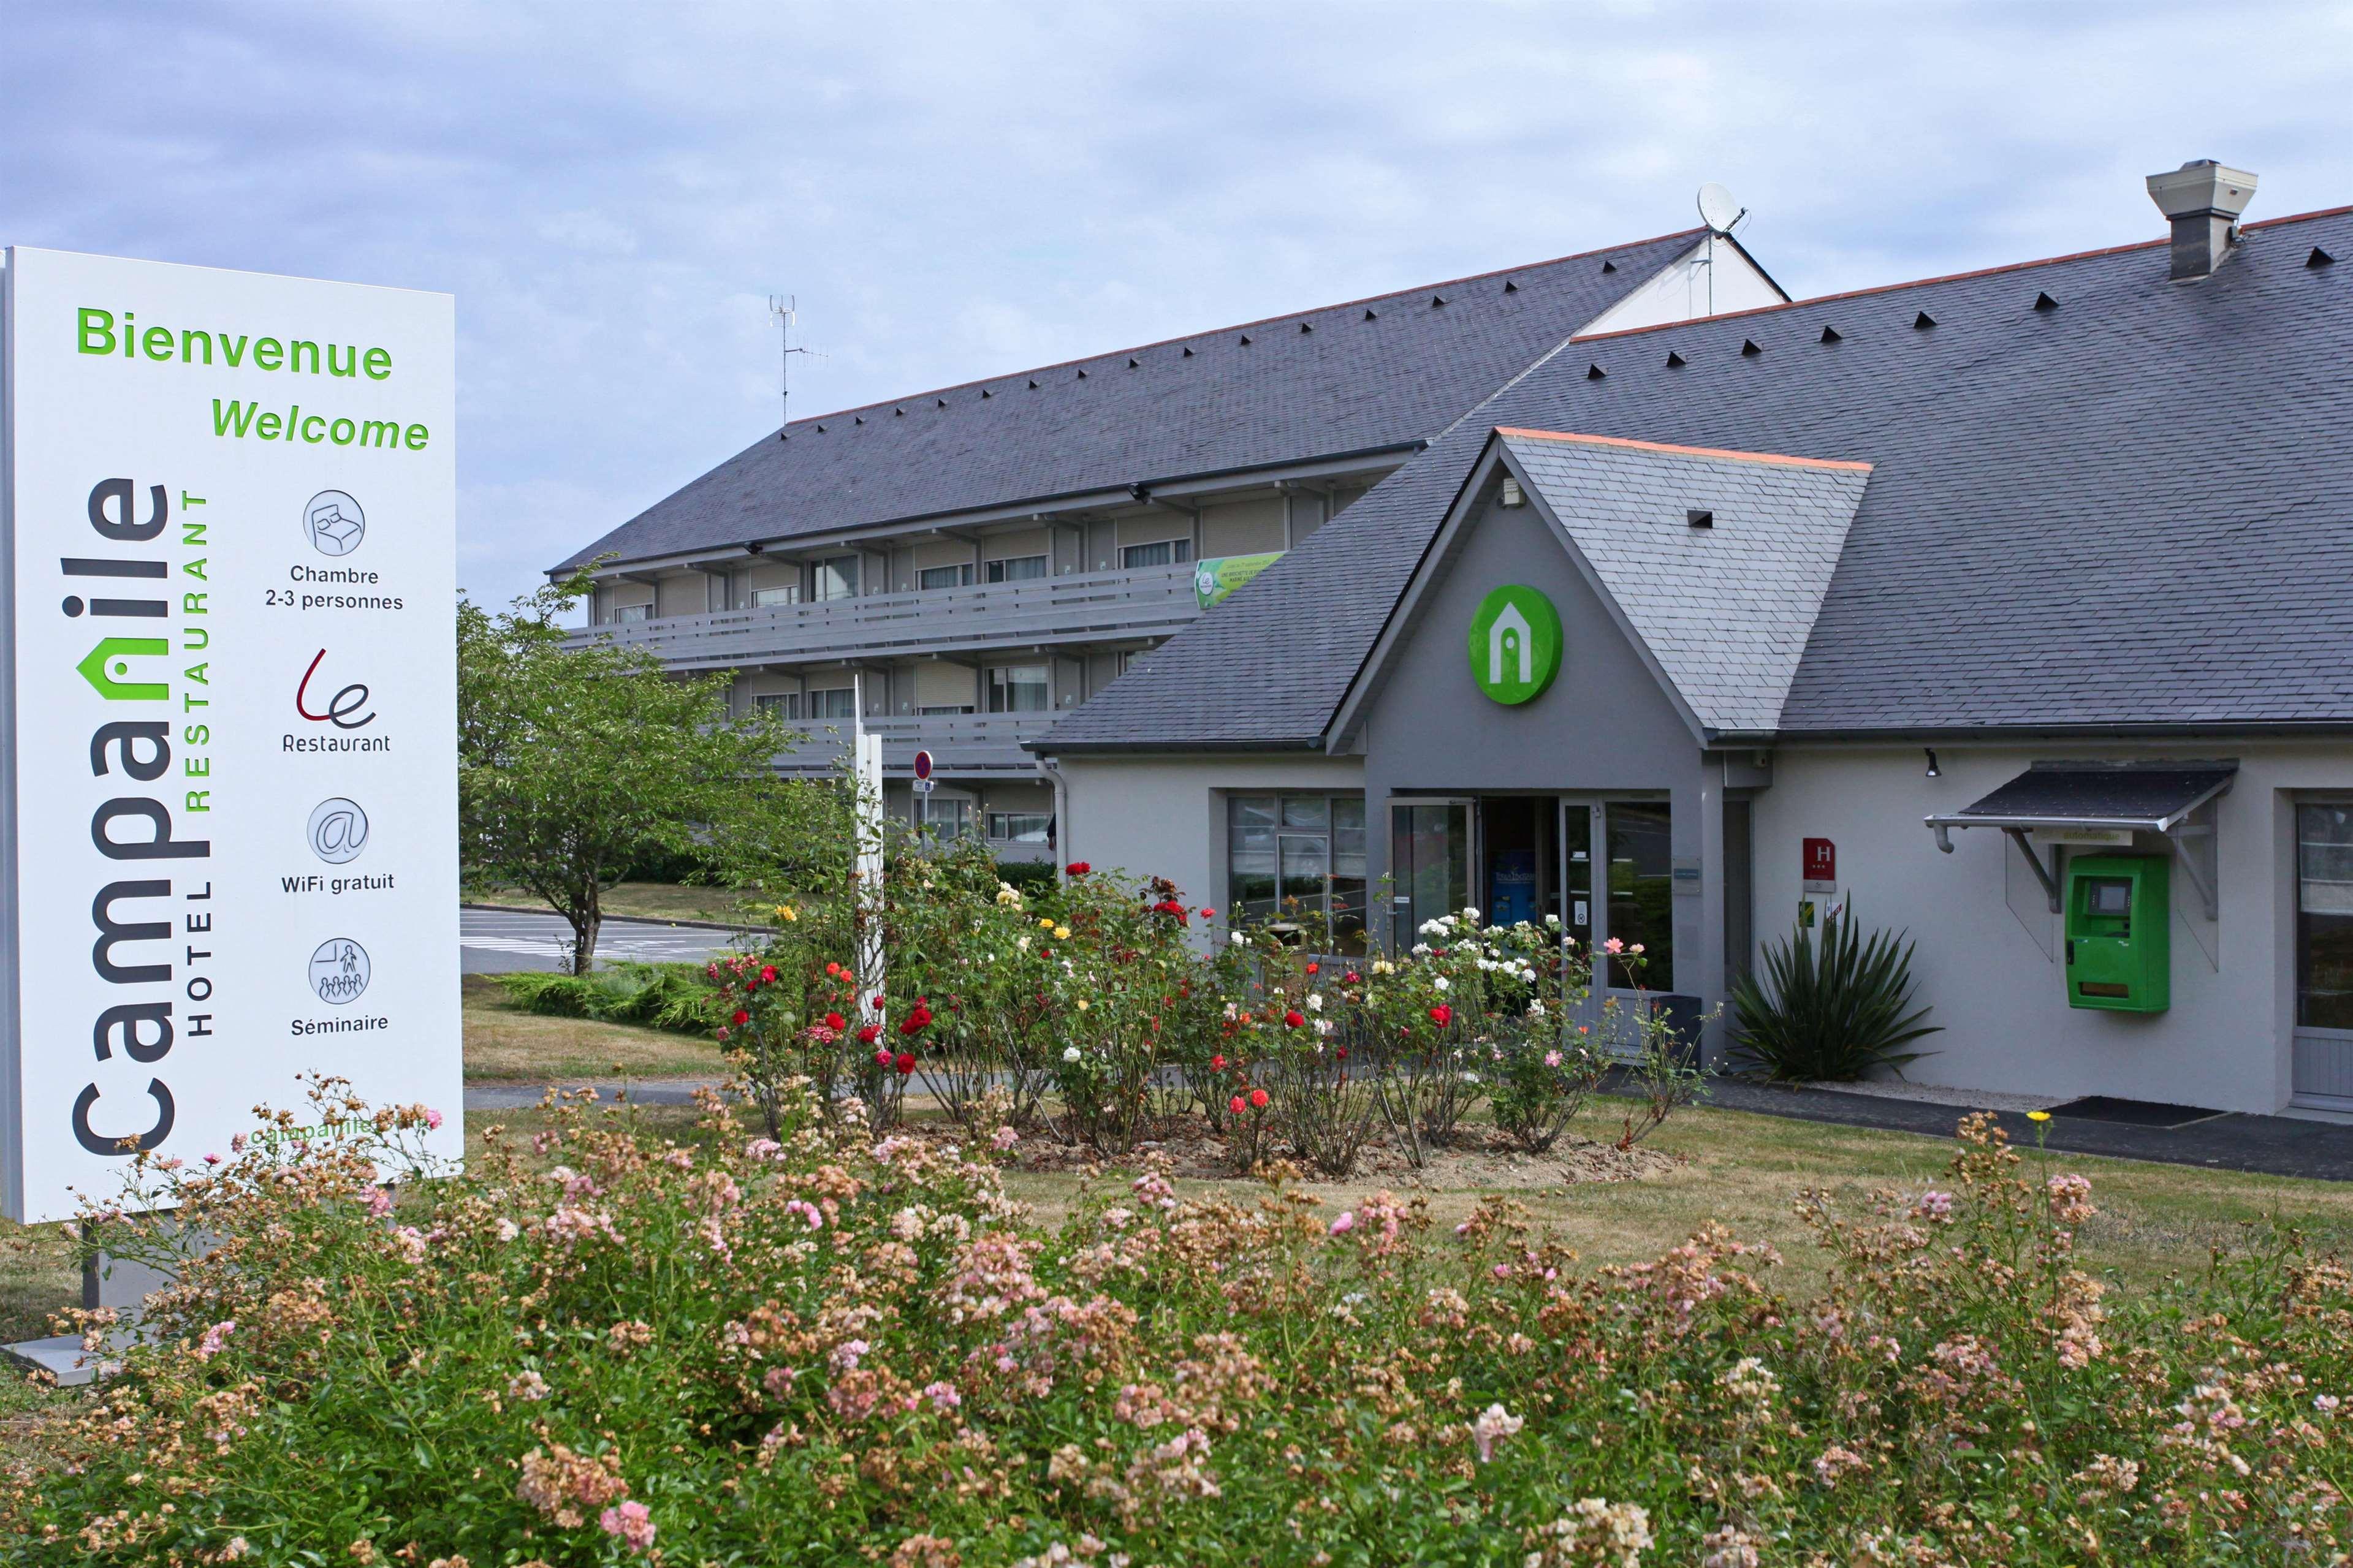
(605, 1345)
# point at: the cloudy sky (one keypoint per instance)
(613, 191)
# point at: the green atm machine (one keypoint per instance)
(2119, 932)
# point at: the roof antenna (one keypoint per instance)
(1722, 214)
(786, 311)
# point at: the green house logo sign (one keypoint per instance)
(1514, 644)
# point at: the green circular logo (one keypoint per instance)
(1514, 644)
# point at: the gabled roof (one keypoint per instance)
(1722, 609)
(1374, 375)
(2099, 499)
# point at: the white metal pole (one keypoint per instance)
(867, 752)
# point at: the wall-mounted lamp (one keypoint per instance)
(1934, 771)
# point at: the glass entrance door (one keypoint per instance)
(1429, 865)
(2323, 1068)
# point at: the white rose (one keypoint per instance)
(1443, 984)
(1315, 1001)
(1469, 914)
(1069, 1053)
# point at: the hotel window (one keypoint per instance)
(944, 816)
(1019, 826)
(958, 576)
(1019, 569)
(1162, 552)
(784, 705)
(943, 709)
(2324, 916)
(837, 578)
(1299, 856)
(768, 598)
(626, 613)
(1017, 688)
(840, 704)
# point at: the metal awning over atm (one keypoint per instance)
(2101, 797)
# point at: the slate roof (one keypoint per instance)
(1368, 376)
(1724, 609)
(2099, 499)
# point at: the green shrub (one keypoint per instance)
(677, 997)
(1030, 878)
(1832, 1010)
(606, 1347)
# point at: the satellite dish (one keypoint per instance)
(1717, 209)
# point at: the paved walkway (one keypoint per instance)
(641, 1091)
(2272, 1145)
(498, 941)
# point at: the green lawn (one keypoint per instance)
(503, 1043)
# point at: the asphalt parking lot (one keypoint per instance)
(498, 941)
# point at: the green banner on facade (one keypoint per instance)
(1219, 575)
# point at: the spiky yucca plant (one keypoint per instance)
(1830, 1010)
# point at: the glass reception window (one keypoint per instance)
(2324, 916)
(1642, 868)
(1298, 857)
(1250, 846)
(1431, 861)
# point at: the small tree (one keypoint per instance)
(575, 763)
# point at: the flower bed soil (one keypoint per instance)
(1479, 1159)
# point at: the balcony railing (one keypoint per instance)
(1079, 607)
(959, 743)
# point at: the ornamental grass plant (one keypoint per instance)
(609, 1346)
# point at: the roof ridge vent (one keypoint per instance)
(1370, 315)
(1675, 361)
(2043, 301)
(1305, 328)
(1436, 301)
(942, 402)
(2203, 201)
(2319, 257)
(1609, 267)
(901, 414)
(1188, 354)
(1510, 287)
(1831, 335)
(1923, 321)
(1133, 364)
(985, 395)
(1595, 373)
(1245, 339)
(1033, 386)
(1748, 348)
(1083, 375)
(862, 418)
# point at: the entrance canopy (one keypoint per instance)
(2100, 799)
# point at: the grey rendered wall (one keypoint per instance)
(1987, 956)
(1165, 817)
(1604, 726)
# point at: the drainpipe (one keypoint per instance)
(1051, 772)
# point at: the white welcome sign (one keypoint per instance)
(228, 723)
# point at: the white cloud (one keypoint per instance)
(956, 191)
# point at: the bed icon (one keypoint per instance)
(334, 524)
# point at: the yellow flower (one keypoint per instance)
(1047, 925)
(1083, 1004)
(1061, 933)
(2037, 1116)
(786, 912)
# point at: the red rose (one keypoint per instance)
(741, 1017)
(1217, 1063)
(1258, 1100)
(1341, 1052)
(1208, 914)
(881, 1059)
(1294, 1017)
(878, 1003)
(1314, 968)
(906, 1063)
(1079, 867)
(1351, 978)
(1236, 1107)
(767, 974)
(867, 1036)
(833, 969)
(836, 1021)
(1441, 1015)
